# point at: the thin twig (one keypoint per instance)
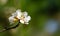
(3, 30)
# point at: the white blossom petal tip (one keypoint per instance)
(25, 13)
(22, 21)
(22, 16)
(18, 10)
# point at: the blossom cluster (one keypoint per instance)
(21, 16)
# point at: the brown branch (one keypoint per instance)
(3, 30)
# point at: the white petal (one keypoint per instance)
(26, 19)
(11, 19)
(14, 14)
(18, 10)
(22, 21)
(25, 13)
(19, 13)
(26, 23)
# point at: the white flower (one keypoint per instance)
(22, 16)
(25, 18)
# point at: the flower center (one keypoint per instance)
(22, 17)
(15, 19)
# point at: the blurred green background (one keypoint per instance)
(37, 9)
